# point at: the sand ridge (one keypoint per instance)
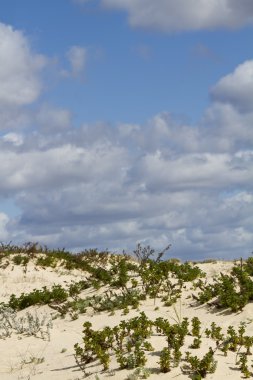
(30, 357)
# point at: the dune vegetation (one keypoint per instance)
(127, 316)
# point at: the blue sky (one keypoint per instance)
(126, 121)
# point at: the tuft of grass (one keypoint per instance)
(28, 325)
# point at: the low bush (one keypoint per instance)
(232, 291)
(199, 368)
(20, 260)
(38, 297)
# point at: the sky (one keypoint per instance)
(126, 122)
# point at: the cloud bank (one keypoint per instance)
(183, 15)
(110, 186)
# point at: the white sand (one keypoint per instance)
(20, 355)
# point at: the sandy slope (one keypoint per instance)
(23, 357)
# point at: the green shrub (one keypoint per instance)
(46, 261)
(165, 360)
(196, 325)
(38, 297)
(111, 301)
(232, 291)
(243, 365)
(248, 266)
(20, 260)
(215, 333)
(199, 368)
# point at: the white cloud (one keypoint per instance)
(236, 88)
(59, 166)
(179, 15)
(4, 219)
(109, 186)
(103, 193)
(224, 128)
(12, 117)
(53, 119)
(190, 171)
(13, 138)
(19, 68)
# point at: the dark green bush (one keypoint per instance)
(111, 301)
(232, 291)
(20, 260)
(199, 368)
(38, 297)
(46, 261)
(165, 360)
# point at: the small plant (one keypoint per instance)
(248, 342)
(111, 301)
(139, 373)
(243, 365)
(196, 325)
(20, 260)
(147, 346)
(232, 291)
(47, 261)
(196, 343)
(215, 333)
(232, 339)
(30, 361)
(199, 368)
(165, 360)
(42, 297)
(33, 359)
(177, 355)
(29, 324)
(133, 359)
(143, 254)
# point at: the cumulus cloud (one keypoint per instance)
(236, 88)
(19, 67)
(227, 128)
(58, 166)
(202, 170)
(113, 186)
(110, 186)
(180, 15)
(53, 119)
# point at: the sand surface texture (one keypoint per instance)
(48, 352)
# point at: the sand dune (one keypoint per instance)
(51, 356)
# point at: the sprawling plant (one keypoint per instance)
(199, 368)
(243, 365)
(127, 341)
(232, 291)
(38, 297)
